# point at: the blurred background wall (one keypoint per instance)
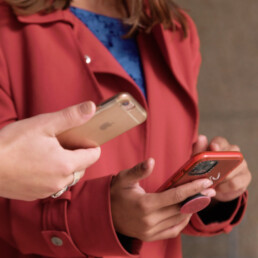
(228, 90)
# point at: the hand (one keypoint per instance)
(238, 180)
(150, 216)
(33, 163)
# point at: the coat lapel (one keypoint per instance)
(176, 51)
(178, 55)
(101, 60)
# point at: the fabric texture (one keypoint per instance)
(43, 69)
(110, 31)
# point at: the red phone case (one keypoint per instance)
(214, 165)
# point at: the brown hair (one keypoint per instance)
(142, 14)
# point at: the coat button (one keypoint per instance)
(57, 241)
(87, 59)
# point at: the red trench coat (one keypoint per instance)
(43, 69)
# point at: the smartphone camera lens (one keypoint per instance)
(203, 167)
(127, 104)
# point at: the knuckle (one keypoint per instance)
(233, 185)
(30, 199)
(235, 147)
(218, 139)
(147, 223)
(41, 121)
(145, 236)
(175, 233)
(66, 168)
(148, 202)
(92, 156)
(56, 186)
(221, 141)
(144, 204)
(178, 196)
(67, 115)
(44, 195)
(244, 165)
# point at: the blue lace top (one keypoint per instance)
(110, 31)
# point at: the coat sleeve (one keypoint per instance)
(217, 222)
(221, 219)
(77, 223)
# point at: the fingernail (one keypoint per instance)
(202, 137)
(87, 107)
(209, 192)
(148, 163)
(98, 150)
(207, 183)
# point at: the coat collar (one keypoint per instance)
(59, 15)
(109, 64)
(40, 18)
(174, 48)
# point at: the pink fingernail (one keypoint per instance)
(209, 192)
(207, 183)
(87, 107)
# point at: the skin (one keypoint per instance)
(156, 216)
(150, 216)
(33, 163)
(238, 180)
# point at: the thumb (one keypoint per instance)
(201, 144)
(58, 122)
(140, 171)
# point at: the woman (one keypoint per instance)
(52, 56)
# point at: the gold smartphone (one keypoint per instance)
(112, 118)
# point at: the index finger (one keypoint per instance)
(221, 144)
(180, 193)
(242, 167)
